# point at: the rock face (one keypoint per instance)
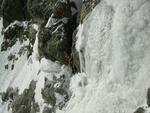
(47, 110)
(10, 94)
(54, 43)
(148, 97)
(140, 110)
(53, 46)
(48, 93)
(23, 103)
(14, 10)
(55, 40)
(55, 92)
(10, 36)
(40, 10)
(53, 88)
(62, 9)
(1, 7)
(19, 31)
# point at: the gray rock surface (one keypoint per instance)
(14, 10)
(40, 10)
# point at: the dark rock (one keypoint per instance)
(47, 110)
(40, 10)
(62, 9)
(35, 108)
(1, 7)
(32, 85)
(4, 97)
(30, 33)
(6, 66)
(62, 87)
(148, 97)
(55, 42)
(58, 86)
(11, 57)
(10, 94)
(11, 35)
(48, 93)
(53, 46)
(19, 31)
(22, 50)
(25, 103)
(12, 66)
(14, 10)
(140, 110)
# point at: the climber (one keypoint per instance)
(68, 57)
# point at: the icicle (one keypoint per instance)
(79, 46)
(35, 48)
(81, 62)
(49, 21)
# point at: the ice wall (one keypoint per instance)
(115, 42)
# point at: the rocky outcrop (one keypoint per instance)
(55, 40)
(40, 10)
(140, 110)
(11, 34)
(23, 103)
(53, 46)
(19, 31)
(144, 109)
(1, 7)
(48, 93)
(148, 97)
(47, 110)
(55, 37)
(10, 94)
(53, 88)
(22, 33)
(30, 33)
(57, 23)
(13, 10)
(62, 9)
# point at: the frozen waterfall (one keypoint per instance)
(116, 43)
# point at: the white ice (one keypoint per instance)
(116, 43)
(115, 40)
